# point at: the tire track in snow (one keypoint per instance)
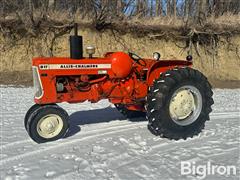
(234, 114)
(85, 132)
(213, 116)
(166, 146)
(128, 125)
(218, 116)
(181, 143)
(122, 129)
(14, 144)
(171, 145)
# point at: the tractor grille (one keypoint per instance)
(37, 83)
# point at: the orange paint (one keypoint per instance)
(115, 77)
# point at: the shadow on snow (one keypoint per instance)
(95, 116)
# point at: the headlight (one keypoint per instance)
(90, 50)
(156, 56)
(37, 83)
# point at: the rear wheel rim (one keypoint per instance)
(50, 126)
(185, 105)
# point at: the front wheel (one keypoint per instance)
(47, 123)
(179, 103)
(29, 112)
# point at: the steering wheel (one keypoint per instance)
(137, 59)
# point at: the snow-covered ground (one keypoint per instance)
(102, 144)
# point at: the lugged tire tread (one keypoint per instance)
(156, 110)
(41, 110)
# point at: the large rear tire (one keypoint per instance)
(47, 123)
(179, 103)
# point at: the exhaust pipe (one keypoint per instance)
(76, 44)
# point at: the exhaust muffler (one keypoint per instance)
(76, 44)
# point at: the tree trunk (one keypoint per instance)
(190, 8)
(160, 8)
(158, 11)
(2, 4)
(138, 6)
(119, 7)
(217, 7)
(203, 8)
(168, 8)
(145, 7)
(174, 5)
(151, 8)
(186, 8)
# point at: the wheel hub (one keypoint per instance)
(185, 105)
(50, 126)
(182, 104)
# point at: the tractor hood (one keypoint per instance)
(116, 65)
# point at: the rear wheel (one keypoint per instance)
(129, 113)
(47, 123)
(179, 103)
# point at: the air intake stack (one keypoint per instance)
(76, 44)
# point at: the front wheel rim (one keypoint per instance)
(185, 105)
(50, 126)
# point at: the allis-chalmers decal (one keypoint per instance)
(74, 66)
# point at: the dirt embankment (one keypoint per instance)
(220, 63)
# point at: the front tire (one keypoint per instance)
(179, 103)
(29, 112)
(47, 123)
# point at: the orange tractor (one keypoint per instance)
(175, 99)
